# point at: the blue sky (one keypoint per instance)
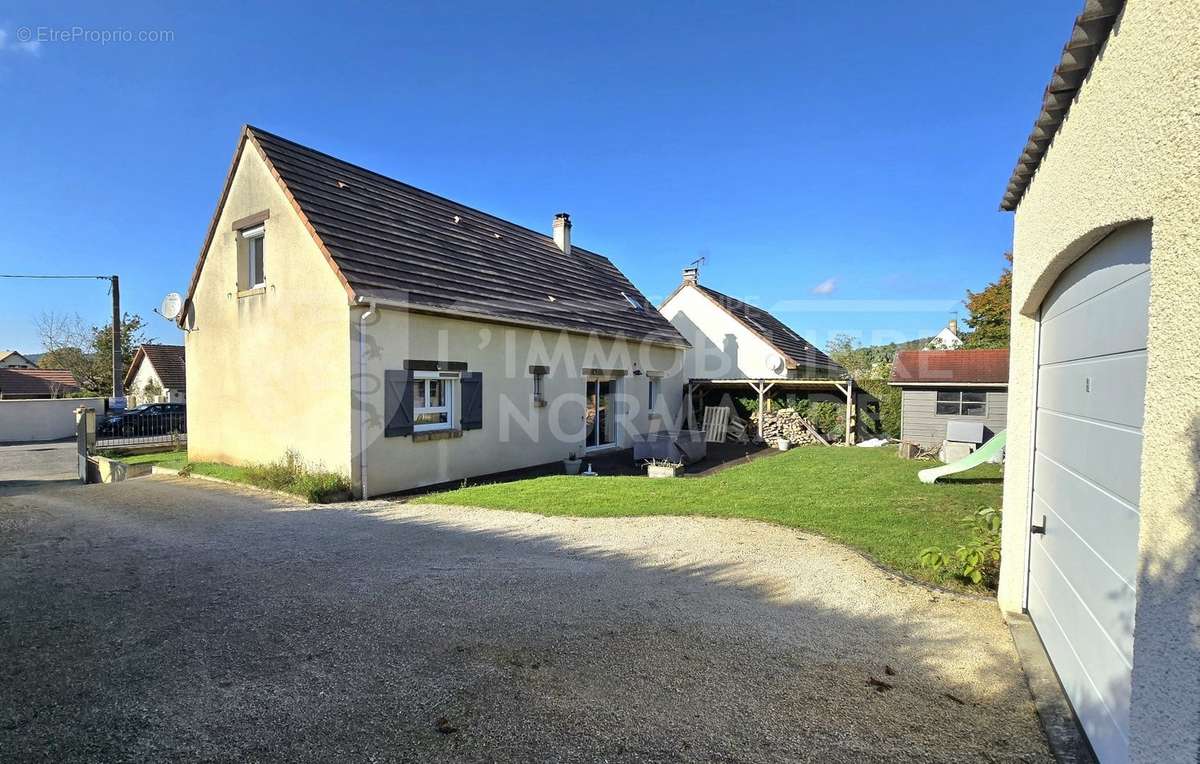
(841, 163)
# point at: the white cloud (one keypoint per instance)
(18, 45)
(825, 287)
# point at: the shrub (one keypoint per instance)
(977, 561)
(292, 474)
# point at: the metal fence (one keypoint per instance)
(142, 428)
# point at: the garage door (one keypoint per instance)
(1087, 456)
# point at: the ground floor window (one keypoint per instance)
(961, 403)
(433, 401)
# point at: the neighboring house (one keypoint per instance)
(22, 383)
(1101, 537)
(942, 386)
(157, 374)
(736, 346)
(11, 359)
(404, 339)
(947, 338)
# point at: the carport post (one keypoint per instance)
(849, 411)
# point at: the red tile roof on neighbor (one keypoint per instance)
(168, 362)
(940, 367)
(24, 383)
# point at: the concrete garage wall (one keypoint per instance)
(42, 420)
(1129, 150)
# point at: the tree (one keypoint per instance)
(870, 367)
(991, 312)
(87, 351)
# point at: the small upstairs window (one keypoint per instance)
(251, 245)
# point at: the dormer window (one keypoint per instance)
(252, 251)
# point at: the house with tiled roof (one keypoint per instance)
(157, 374)
(736, 346)
(943, 386)
(404, 339)
(11, 359)
(19, 383)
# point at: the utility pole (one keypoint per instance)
(118, 383)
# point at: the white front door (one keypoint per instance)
(1087, 469)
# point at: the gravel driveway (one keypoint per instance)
(166, 618)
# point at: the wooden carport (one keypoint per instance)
(763, 386)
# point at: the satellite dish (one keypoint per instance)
(171, 305)
(775, 363)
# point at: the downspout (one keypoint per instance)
(362, 395)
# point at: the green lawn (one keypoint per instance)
(290, 474)
(177, 460)
(865, 498)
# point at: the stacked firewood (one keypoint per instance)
(787, 423)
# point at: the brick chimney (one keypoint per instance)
(562, 232)
(691, 275)
(953, 326)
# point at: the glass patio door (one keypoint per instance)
(600, 416)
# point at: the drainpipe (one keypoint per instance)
(362, 394)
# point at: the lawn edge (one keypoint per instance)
(878, 565)
(171, 472)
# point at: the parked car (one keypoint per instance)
(147, 420)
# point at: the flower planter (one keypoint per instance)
(572, 466)
(663, 471)
(783, 444)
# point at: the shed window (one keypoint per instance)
(433, 401)
(655, 385)
(961, 403)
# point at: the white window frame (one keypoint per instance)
(960, 403)
(654, 390)
(249, 235)
(449, 382)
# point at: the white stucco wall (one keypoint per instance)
(270, 371)
(42, 420)
(1130, 150)
(722, 346)
(515, 433)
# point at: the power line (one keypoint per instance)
(45, 276)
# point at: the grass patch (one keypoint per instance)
(865, 498)
(289, 474)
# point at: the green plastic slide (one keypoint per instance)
(984, 453)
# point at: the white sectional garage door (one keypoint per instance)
(1087, 456)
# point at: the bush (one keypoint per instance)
(292, 474)
(889, 404)
(977, 561)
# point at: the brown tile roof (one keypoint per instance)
(798, 351)
(168, 362)
(912, 367)
(1091, 31)
(20, 383)
(391, 241)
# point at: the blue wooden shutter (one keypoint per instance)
(397, 403)
(472, 400)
